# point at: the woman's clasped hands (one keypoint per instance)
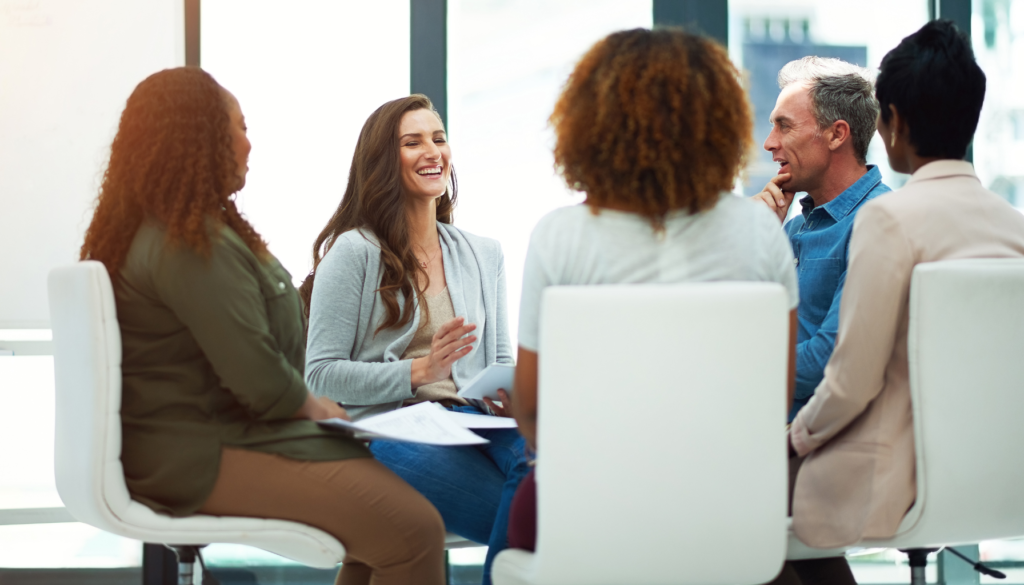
(451, 342)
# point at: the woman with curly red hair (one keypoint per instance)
(216, 416)
(654, 127)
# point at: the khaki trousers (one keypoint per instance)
(392, 534)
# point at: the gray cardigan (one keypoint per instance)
(347, 362)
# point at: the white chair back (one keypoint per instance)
(662, 455)
(87, 365)
(966, 358)
(87, 457)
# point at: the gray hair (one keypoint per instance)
(839, 91)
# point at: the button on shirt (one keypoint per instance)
(820, 237)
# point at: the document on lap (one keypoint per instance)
(420, 423)
(481, 421)
(487, 383)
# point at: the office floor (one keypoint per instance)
(73, 553)
(460, 574)
(866, 573)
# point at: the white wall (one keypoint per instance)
(66, 70)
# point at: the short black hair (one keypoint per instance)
(937, 87)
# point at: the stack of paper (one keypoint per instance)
(426, 423)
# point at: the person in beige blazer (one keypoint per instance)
(857, 478)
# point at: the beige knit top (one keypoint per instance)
(444, 391)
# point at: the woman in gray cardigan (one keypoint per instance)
(407, 308)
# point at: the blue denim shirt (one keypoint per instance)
(821, 245)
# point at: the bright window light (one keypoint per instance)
(307, 74)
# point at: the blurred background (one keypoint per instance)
(307, 74)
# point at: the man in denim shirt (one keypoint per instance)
(823, 121)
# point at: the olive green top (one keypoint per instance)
(213, 356)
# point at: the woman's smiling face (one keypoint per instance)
(424, 154)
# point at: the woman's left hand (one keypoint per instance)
(506, 404)
(321, 408)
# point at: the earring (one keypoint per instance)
(892, 142)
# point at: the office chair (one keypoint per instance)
(662, 455)
(87, 464)
(966, 358)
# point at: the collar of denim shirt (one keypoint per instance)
(848, 200)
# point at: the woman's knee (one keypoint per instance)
(426, 527)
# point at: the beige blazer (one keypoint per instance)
(858, 479)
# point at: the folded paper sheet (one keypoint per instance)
(421, 423)
(481, 421)
(487, 383)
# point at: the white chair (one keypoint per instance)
(966, 357)
(662, 455)
(87, 458)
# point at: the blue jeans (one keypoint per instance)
(471, 486)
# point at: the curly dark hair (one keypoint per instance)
(171, 160)
(652, 121)
(373, 200)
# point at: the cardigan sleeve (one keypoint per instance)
(221, 302)
(504, 344)
(335, 314)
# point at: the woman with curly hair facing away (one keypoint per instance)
(653, 126)
(216, 417)
(406, 308)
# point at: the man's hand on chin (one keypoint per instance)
(777, 199)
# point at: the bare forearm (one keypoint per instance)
(524, 395)
(526, 418)
(528, 429)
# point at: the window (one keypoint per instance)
(998, 35)
(26, 431)
(307, 75)
(766, 34)
(507, 62)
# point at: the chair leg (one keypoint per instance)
(186, 562)
(159, 565)
(918, 558)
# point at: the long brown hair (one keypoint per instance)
(172, 160)
(373, 201)
(652, 121)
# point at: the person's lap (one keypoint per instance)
(472, 487)
(507, 449)
(462, 483)
(390, 532)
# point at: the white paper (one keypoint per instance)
(421, 423)
(486, 383)
(481, 421)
